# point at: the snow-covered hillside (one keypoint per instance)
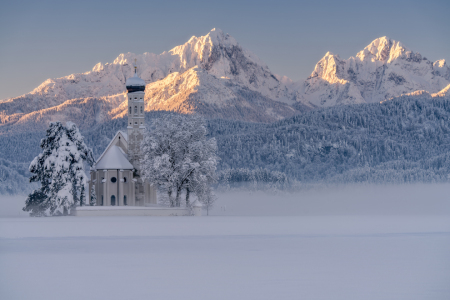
(384, 69)
(213, 70)
(214, 76)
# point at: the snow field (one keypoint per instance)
(225, 258)
(354, 242)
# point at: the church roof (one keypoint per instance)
(124, 134)
(114, 142)
(135, 81)
(114, 159)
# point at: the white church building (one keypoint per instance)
(119, 189)
(115, 174)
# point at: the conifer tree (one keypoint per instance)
(60, 171)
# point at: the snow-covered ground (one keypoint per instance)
(357, 242)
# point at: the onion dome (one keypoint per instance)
(135, 84)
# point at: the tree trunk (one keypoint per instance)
(187, 196)
(170, 197)
(177, 199)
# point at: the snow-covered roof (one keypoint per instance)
(120, 132)
(124, 134)
(114, 159)
(135, 81)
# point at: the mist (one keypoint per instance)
(354, 199)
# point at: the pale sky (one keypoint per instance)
(50, 39)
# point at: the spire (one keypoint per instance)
(134, 83)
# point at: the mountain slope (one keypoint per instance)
(195, 90)
(217, 55)
(382, 70)
(214, 76)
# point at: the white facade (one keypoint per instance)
(115, 175)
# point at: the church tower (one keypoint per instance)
(136, 127)
(136, 117)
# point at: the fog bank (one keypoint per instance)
(360, 199)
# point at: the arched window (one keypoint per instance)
(113, 179)
(113, 200)
(141, 109)
(102, 201)
(124, 200)
(130, 110)
(124, 179)
(135, 109)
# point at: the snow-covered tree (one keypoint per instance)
(60, 170)
(36, 203)
(177, 156)
(93, 199)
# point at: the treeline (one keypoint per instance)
(403, 140)
(259, 179)
(336, 144)
(14, 178)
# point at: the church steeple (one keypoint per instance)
(136, 116)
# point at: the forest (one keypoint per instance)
(403, 140)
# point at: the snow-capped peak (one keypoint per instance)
(382, 49)
(383, 69)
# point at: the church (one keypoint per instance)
(115, 174)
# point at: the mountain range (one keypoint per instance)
(214, 76)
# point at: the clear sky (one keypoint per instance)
(49, 39)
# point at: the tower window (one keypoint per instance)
(113, 179)
(135, 98)
(113, 200)
(102, 201)
(130, 109)
(124, 179)
(130, 98)
(135, 123)
(124, 200)
(141, 109)
(135, 109)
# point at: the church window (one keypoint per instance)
(135, 109)
(130, 98)
(141, 109)
(135, 98)
(102, 201)
(135, 123)
(130, 109)
(124, 179)
(113, 200)
(113, 179)
(124, 200)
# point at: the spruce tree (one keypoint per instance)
(60, 171)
